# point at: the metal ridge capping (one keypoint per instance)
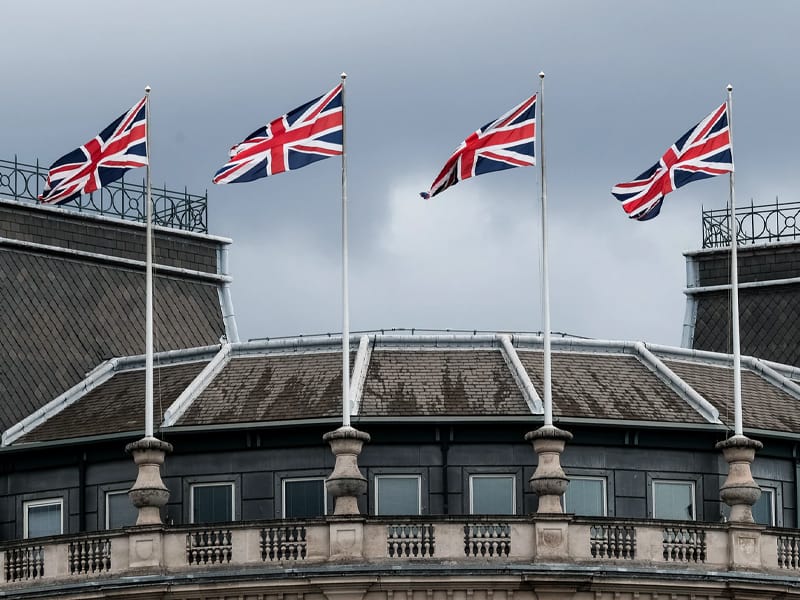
(520, 375)
(196, 387)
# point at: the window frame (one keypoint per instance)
(511, 476)
(772, 490)
(603, 483)
(28, 504)
(107, 515)
(693, 495)
(202, 484)
(415, 476)
(284, 480)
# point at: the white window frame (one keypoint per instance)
(604, 483)
(399, 476)
(26, 506)
(300, 479)
(108, 512)
(773, 493)
(688, 482)
(510, 476)
(193, 486)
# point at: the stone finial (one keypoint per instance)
(740, 491)
(549, 482)
(346, 482)
(149, 493)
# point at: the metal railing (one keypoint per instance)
(171, 208)
(757, 223)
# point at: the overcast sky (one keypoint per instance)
(624, 81)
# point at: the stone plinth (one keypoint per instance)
(740, 491)
(149, 493)
(549, 482)
(346, 482)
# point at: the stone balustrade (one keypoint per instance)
(388, 543)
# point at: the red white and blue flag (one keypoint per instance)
(305, 135)
(504, 143)
(703, 151)
(119, 147)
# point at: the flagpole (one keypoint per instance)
(734, 228)
(148, 403)
(548, 391)
(345, 297)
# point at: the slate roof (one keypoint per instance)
(118, 405)
(63, 313)
(271, 388)
(431, 382)
(763, 405)
(608, 386)
(257, 383)
(769, 315)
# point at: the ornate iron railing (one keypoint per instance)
(175, 209)
(757, 223)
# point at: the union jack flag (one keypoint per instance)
(119, 147)
(305, 135)
(505, 143)
(703, 151)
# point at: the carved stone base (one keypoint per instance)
(346, 482)
(149, 493)
(740, 491)
(549, 482)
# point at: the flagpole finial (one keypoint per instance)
(541, 74)
(147, 89)
(730, 87)
(344, 75)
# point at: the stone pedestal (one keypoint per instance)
(549, 481)
(149, 493)
(740, 491)
(346, 482)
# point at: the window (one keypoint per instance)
(586, 496)
(492, 495)
(303, 498)
(43, 517)
(673, 500)
(397, 495)
(764, 509)
(120, 511)
(212, 502)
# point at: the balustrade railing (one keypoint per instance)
(684, 544)
(122, 199)
(284, 543)
(756, 223)
(90, 556)
(24, 563)
(789, 551)
(612, 541)
(487, 539)
(209, 546)
(411, 540)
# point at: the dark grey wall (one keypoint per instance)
(256, 462)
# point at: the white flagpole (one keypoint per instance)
(734, 228)
(548, 390)
(345, 298)
(148, 394)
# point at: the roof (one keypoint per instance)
(475, 377)
(72, 290)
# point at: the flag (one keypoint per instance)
(119, 147)
(703, 151)
(505, 143)
(305, 135)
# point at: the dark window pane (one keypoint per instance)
(585, 497)
(303, 499)
(121, 511)
(673, 500)
(44, 520)
(763, 509)
(212, 503)
(493, 495)
(398, 495)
